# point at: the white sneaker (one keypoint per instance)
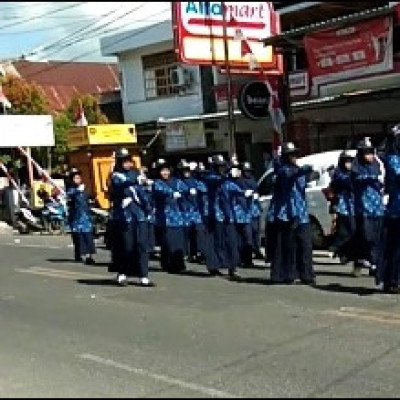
(144, 281)
(122, 279)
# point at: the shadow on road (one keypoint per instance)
(72, 261)
(98, 282)
(337, 287)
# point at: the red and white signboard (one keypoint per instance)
(198, 28)
(356, 50)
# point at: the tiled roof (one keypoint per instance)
(60, 81)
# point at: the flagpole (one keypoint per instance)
(231, 122)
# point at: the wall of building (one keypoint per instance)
(138, 109)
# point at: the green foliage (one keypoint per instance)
(91, 108)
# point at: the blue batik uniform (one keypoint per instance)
(369, 208)
(290, 194)
(343, 188)
(130, 251)
(80, 222)
(170, 222)
(292, 254)
(389, 260)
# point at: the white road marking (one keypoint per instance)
(162, 378)
(366, 315)
(60, 273)
(32, 245)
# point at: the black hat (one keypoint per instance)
(218, 160)
(161, 163)
(122, 153)
(183, 164)
(346, 155)
(365, 144)
(289, 148)
(246, 166)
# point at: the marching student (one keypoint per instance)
(80, 219)
(366, 173)
(170, 217)
(292, 257)
(131, 213)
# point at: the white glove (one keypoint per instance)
(126, 201)
(149, 182)
(193, 191)
(176, 195)
(248, 193)
(256, 196)
(141, 179)
(81, 187)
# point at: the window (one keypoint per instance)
(161, 75)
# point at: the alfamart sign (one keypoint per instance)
(199, 32)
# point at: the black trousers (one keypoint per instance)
(388, 266)
(270, 240)
(255, 234)
(172, 249)
(194, 239)
(130, 254)
(292, 257)
(83, 244)
(343, 242)
(245, 242)
(222, 246)
(368, 232)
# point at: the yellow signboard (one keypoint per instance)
(102, 134)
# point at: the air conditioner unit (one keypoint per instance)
(182, 77)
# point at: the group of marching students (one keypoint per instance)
(212, 215)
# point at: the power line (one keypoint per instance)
(95, 32)
(62, 63)
(29, 19)
(88, 31)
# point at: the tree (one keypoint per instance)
(25, 97)
(61, 125)
(91, 108)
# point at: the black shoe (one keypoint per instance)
(90, 261)
(215, 272)
(372, 271)
(309, 282)
(233, 275)
(78, 259)
(258, 255)
(391, 289)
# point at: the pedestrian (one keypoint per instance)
(251, 184)
(366, 173)
(292, 257)
(170, 218)
(343, 245)
(194, 203)
(222, 246)
(131, 213)
(388, 267)
(80, 219)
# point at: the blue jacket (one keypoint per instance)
(79, 216)
(240, 205)
(124, 185)
(251, 184)
(368, 198)
(392, 183)
(169, 211)
(343, 188)
(213, 182)
(195, 205)
(289, 198)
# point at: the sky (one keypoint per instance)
(70, 31)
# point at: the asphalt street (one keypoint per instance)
(68, 331)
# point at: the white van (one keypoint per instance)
(320, 218)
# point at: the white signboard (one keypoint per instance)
(26, 130)
(185, 135)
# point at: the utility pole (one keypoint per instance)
(231, 122)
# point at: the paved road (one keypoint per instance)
(68, 331)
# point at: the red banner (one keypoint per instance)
(360, 49)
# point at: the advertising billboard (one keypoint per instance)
(199, 33)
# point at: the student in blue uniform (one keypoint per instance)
(80, 219)
(241, 201)
(251, 184)
(194, 203)
(292, 256)
(170, 217)
(131, 213)
(222, 246)
(367, 182)
(388, 268)
(341, 184)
